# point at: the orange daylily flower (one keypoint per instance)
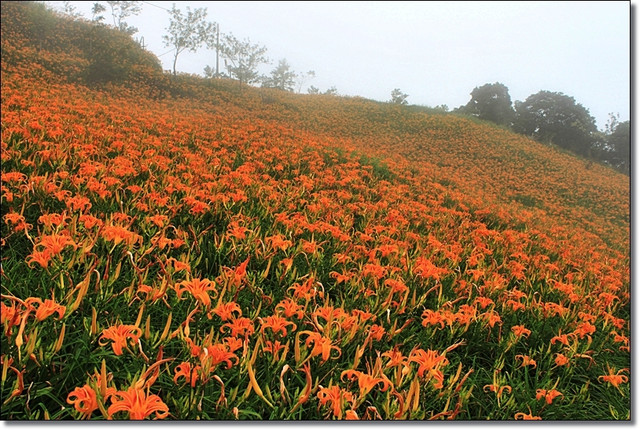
(427, 269)
(120, 334)
(13, 177)
(276, 324)
(366, 382)
(561, 360)
(585, 329)
(138, 404)
(179, 265)
(430, 362)
(216, 354)
(278, 241)
(495, 388)
(310, 247)
(523, 416)
(232, 343)
(341, 277)
(83, 400)
(336, 397)
(520, 330)
(290, 308)
(118, 234)
(152, 294)
(427, 360)
(287, 263)
(431, 317)
(272, 347)
(46, 308)
(120, 217)
(40, 257)
(377, 331)
(376, 271)
(396, 358)
(515, 305)
(9, 316)
(55, 243)
(226, 310)
(351, 415)
(306, 290)
(90, 221)
(239, 327)
(239, 273)
(483, 302)
(526, 360)
(185, 370)
(14, 218)
(198, 288)
(562, 338)
(158, 220)
(328, 313)
(194, 349)
(614, 378)
(321, 345)
(396, 286)
(547, 395)
(237, 231)
(492, 318)
(618, 338)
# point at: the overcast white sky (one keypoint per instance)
(436, 52)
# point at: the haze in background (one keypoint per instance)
(436, 52)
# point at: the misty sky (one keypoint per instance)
(436, 52)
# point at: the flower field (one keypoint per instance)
(237, 253)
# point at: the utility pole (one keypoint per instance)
(218, 51)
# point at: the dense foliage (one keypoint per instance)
(557, 118)
(491, 102)
(174, 247)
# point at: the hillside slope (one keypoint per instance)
(228, 252)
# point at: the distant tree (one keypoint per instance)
(282, 77)
(70, 10)
(209, 72)
(612, 146)
(398, 97)
(96, 12)
(304, 77)
(120, 10)
(242, 58)
(491, 102)
(612, 123)
(188, 32)
(619, 146)
(330, 92)
(557, 118)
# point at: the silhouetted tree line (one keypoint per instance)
(554, 118)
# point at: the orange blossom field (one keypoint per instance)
(179, 248)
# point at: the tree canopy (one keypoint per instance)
(188, 31)
(243, 58)
(491, 102)
(619, 145)
(556, 118)
(398, 97)
(282, 77)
